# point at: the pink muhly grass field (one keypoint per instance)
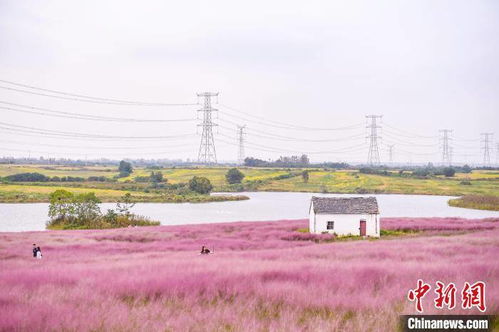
(264, 276)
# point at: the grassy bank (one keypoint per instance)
(263, 276)
(479, 202)
(39, 193)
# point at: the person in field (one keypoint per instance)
(35, 250)
(38, 253)
(204, 250)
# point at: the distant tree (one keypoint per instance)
(449, 172)
(27, 177)
(304, 160)
(305, 175)
(70, 211)
(77, 209)
(234, 176)
(96, 178)
(466, 169)
(125, 168)
(86, 206)
(156, 177)
(254, 162)
(200, 185)
(422, 172)
(61, 204)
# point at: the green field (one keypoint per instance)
(256, 179)
(348, 181)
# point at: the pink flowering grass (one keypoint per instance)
(264, 276)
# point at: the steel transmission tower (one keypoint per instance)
(486, 140)
(207, 153)
(373, 155)
(446, 148)
(390, 152)
(240, 136)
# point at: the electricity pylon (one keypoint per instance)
(446, 148)
(390, 153)
(373, 155)
(486, 140)
(207, 153)
(240, 156)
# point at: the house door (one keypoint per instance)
(362, 228)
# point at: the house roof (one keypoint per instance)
(342, 205)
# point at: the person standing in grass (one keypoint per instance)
(38, 253)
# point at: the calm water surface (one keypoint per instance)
(261, 206)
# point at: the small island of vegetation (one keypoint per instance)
(82, 211)
(478, 202)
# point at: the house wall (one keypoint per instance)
(344, 224)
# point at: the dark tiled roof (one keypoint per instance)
(350, 205)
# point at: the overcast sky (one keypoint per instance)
(423, 65)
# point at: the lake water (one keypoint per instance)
(261, 206)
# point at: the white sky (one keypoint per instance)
(424, 65)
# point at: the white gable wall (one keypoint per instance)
(344, 224)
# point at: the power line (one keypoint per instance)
(85, 98)
(96, 147)
(281, 150)
(15, 128)
(271, 136)
(408, 134)
(397, 140)
(207, 153)
(278, 124)
(85, 154)
(79, 116)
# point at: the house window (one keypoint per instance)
(330, 225)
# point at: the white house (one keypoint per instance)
(344, 216)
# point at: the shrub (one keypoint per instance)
(200, 185)
(97, 178)
(449, 171)
(125, 168)
(421, 172)
(234, 176)
(27, 177)
(156, 177)
(305, 176)
(466, 169)
(142, 178)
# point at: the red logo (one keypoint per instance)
(418, 294)
(474, 295)
(471, 295)
(446, 296)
